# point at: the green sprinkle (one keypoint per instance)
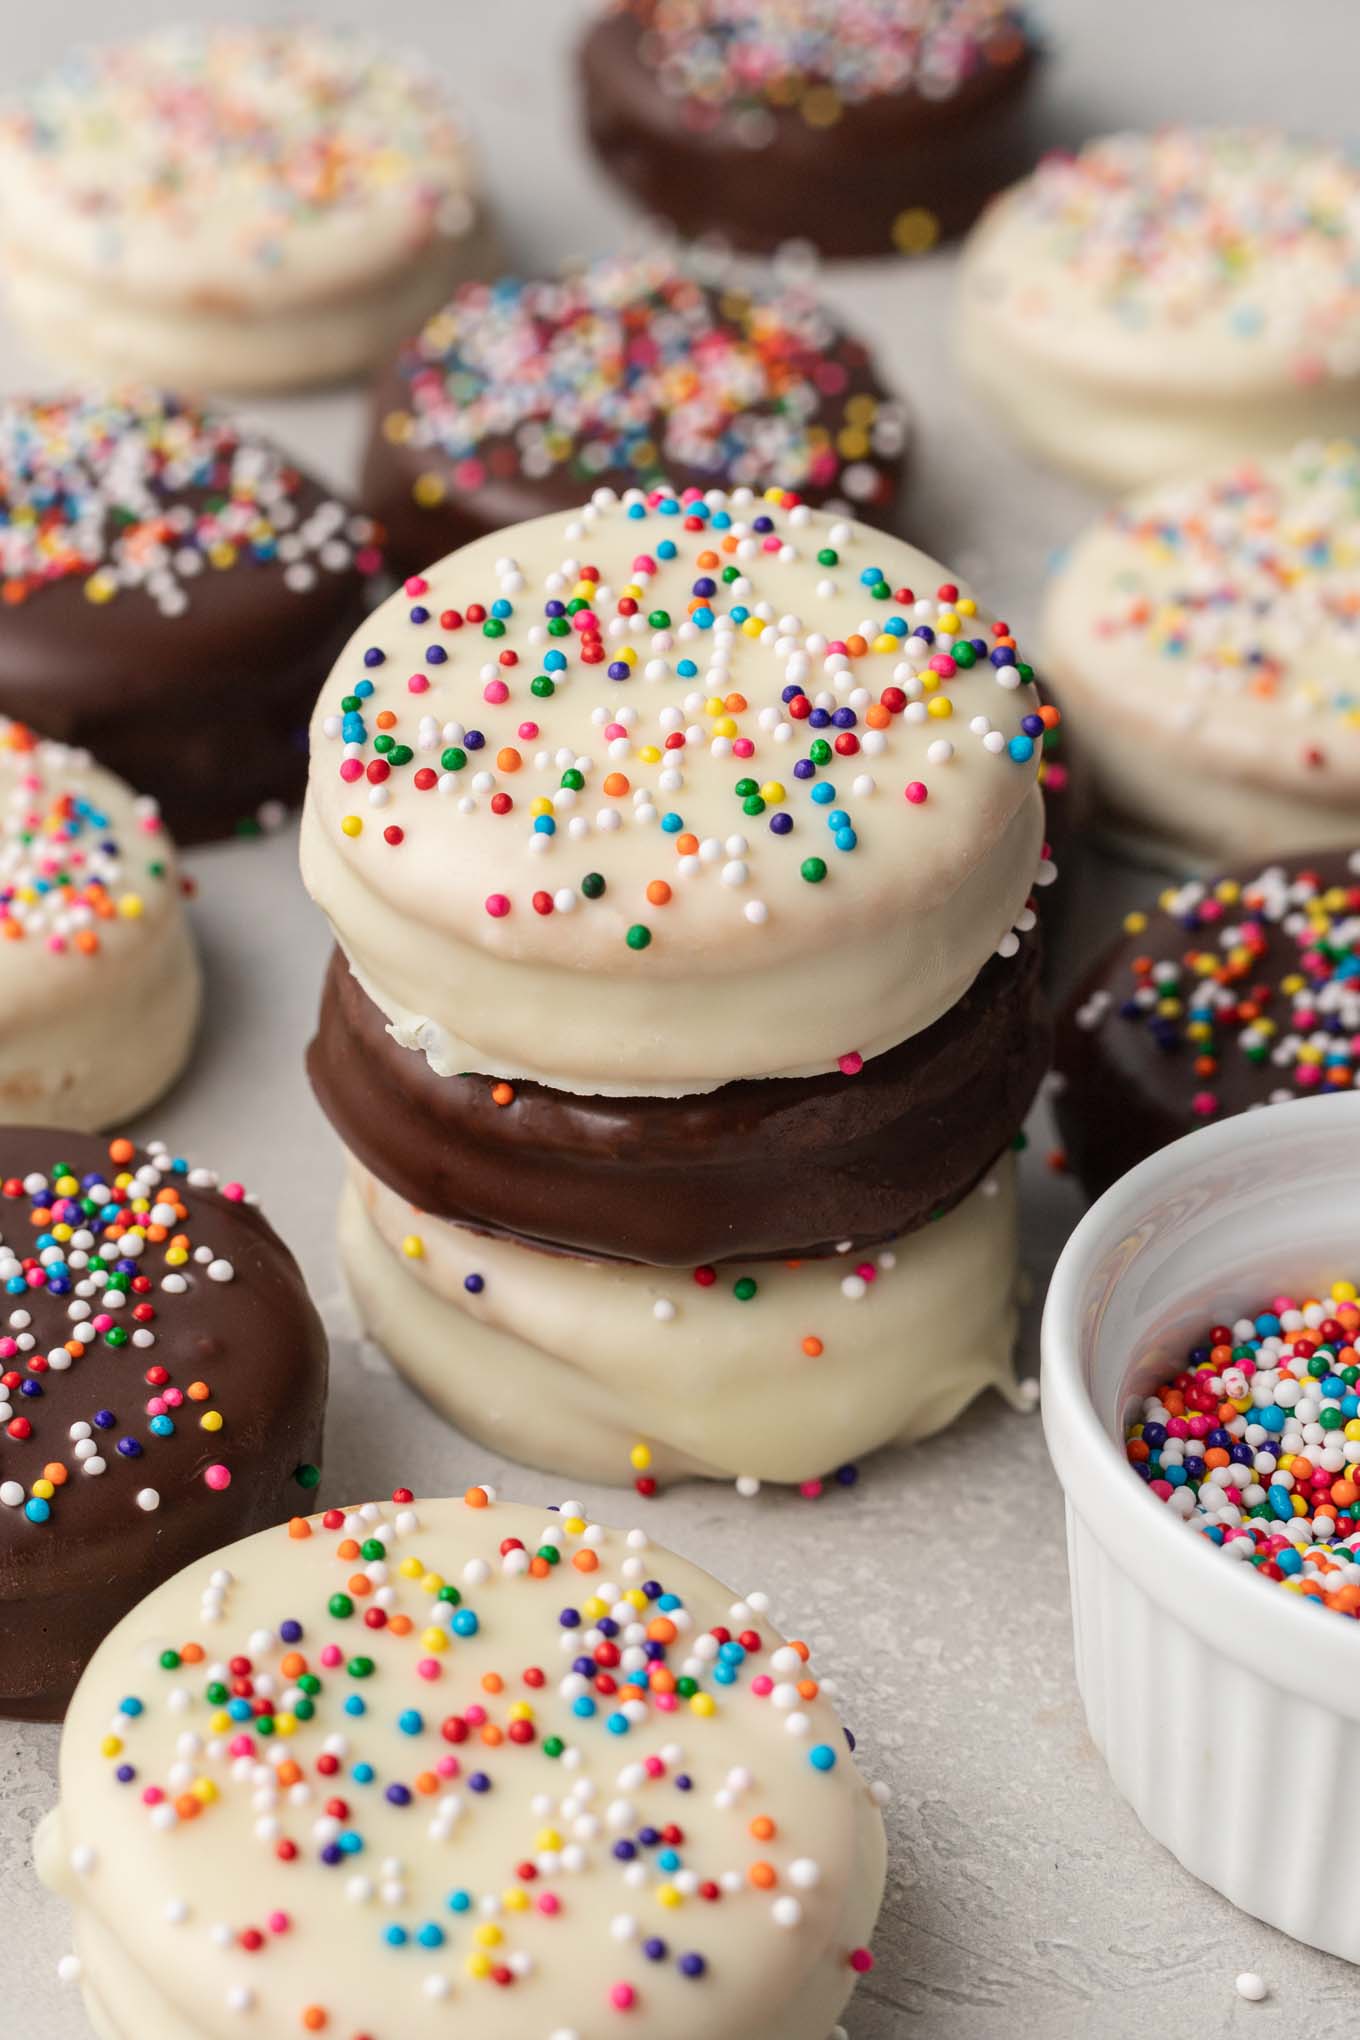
(573, 779)
(744, 1288)
(828, 558)
(753, 805)
(813, 870)
(592, 885)
(638, 937)
(340, 1605)
(307, 1475)
(383, 743)
(553, 1746)
(493, 627)
(453, 760)
(400, 754)
(169, 1660)
(744, 787)
(542, 687)
(372, 1547)
(360, 1667)
(660, 619)
(820, 751)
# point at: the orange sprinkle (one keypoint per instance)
(661, 1630)
(539, 1568)
(762, 1875)
(359, 1584)
(476, 1498)
(856, 645)
(761, 1828)
(707, 559)
(294, 1665)
(299, 1527)
(121, 1151)
(199, 1391)
(492, 1736)
(347, 1548)
(192, 1653)
(55, 1472)
(492, 1682)
(508, 760)
(502, 1094)
(686, 844)
(616, 783)
(385, 719)
(813, 1347)
(314, 2018)
(427, 1783)
(585, 1561)
(399, 1625)
(735, 704)
(289, 1773)
(187, 1807)
(877, 716)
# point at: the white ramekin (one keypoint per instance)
(1227, 1710)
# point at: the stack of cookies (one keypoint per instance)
(680, 853)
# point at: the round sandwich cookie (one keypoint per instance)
(1161, 303)
(667, 792)
(1229, 994)
(173, 593)
(99, 978)
(162, 1380)
(1203, 640)
(762, 1169)
(414, 1767)
(866, 128)
(519, 398)
(236, 206)
(764, 1371)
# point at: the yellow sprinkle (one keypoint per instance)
(520, 1710)
(1135, 923)
(915, 231)
(410, 1569)
(43, 1489)
(594, 1608)
(703, 1703)
(666, 1894)
(432, 1583)
(488, 1935)
(427, 490)
(111, 1746)
(516, 1899)
(637, 1599)
(753, 627)
(772, 793)
(131, 906)
(966, 606)
(1344, 1292)
(434, 1639)
(886, 642)
(396, 427)
(547, 1840)
(478, 1965)
(725, 726)
(285, 1724)
(941, 706)
(211, 1420)
(101, 588)
(413, 1247)
(649, 754)
(352, 825)
(204, 1790)
(574, 1525)
(640, 1458)
(219, 1723)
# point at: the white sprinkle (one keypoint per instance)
(1251, 1987)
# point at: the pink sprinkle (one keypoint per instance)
(762, 1685)
(943, 665)
(1205, 1104)
(495, 691)
(644, 564)
(152, 1796)
(417, 585)
(156, 1406)
(665, 1703)
(915, 792)
(8, 1349)
(654, 1767)
(102, 1323)
(418, 684)
(622, 1996)
(497, 905)
(810, 1490)
(172, 1398)
(549, 1902)
(850, 1065)
(449, 1767)
(368, 559)
(474, 1716)
(614, 730)
(217, 1476)
(331, 1656)
(772, 544)
(867, 1271)
(240, 1746)
(861, 1961)
(279, 1923)
(57, 944)
(528, 731)
(351, 770)
(428, 1668)
(743, 747)
(236, 1191)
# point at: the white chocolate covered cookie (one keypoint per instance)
(768, 1370)
(1205, 641)
(236, 206)
(459, 1766)
(99, 980)
(667, 792)
(1160, 303)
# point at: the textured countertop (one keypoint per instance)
(1023, 1898)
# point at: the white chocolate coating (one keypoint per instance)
(99, 981)
(247, 207)
(1204, 639)
(162, 1902)
(1161, 303)
(571, 1363)
(707, 954)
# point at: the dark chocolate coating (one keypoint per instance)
(1129, 1088)
(257, 1343)
(206, 710)
(414, 535)
(840, 187)
(769, 1168)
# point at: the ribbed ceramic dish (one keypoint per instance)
(1199, 1679)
